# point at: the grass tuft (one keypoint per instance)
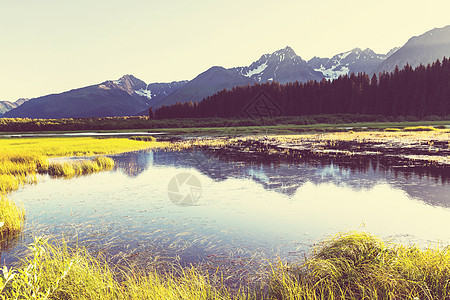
(77, 168)
(11, 218)
(105, 163)
(66, 170)
(361, 266)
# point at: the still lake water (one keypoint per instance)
(243, 210)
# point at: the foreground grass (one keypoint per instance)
(12, 217)
(360, 266)
(22, 158)
(57, 272)
(348, 266)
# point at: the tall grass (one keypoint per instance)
(57, 272)
(73, 146)
(11, 217)
(71, 169)
(361, 266)
(349, 266)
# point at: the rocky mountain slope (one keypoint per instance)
(423, 49)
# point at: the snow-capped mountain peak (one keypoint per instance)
(353, 61)
(285, 53)
(283, 66)
(130, 84)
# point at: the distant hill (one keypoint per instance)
(6, 106)
(103, 100)
(282, 66)
(418, 93)
(124, 97)
(207, 83)
(422, 49)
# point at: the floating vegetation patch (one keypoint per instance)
(392, 129)
(420, 128)
(143, 138)
(77, 168)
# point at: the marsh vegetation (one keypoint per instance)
(221, 126)
(352, 265)
(347, 266)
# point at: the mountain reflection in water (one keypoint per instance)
(287, 178)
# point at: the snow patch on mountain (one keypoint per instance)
(344, 55)
(144, 93)
(256, 71)
(353, 61)
(334, 72)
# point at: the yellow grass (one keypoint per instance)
(57, 272)
(360, 266)
(11, 217)
(350, 266)
(75, 146)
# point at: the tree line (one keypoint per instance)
(420, 92)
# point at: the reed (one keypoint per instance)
(105, 163)
(83, 167)
(361, 266)
(73, 146)
(347, 266)
(11, 217)
(59, 272)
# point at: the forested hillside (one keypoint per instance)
(419, 92)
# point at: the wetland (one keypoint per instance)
(257, 201)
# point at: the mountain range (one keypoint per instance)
(8, 105)
(132, 96)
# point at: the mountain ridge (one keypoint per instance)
(422, 49)
(6, 106)
(131, 96)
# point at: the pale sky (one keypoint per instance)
(51, 46)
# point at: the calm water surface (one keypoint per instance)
(269, 210)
